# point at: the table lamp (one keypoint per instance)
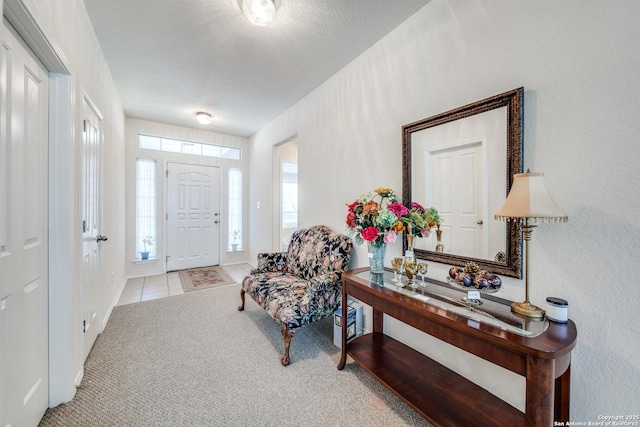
(529, 199)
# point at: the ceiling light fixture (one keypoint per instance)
(203, 118)
(259, 12)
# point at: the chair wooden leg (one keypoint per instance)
(286, 335)
(241, 306)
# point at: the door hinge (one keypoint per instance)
(84, 326)
(167, 173)
(84, 125)
(166, 216)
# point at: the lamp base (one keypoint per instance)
(527, 309)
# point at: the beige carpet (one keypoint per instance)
(195, 360)
(204, 278)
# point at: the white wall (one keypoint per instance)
(136, 126)
(578, 62)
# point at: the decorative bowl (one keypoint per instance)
(455, 284)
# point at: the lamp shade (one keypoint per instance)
(530, 198)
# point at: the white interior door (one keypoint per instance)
(24, 279)
(457, 192)
(193, 216)
(91, 202)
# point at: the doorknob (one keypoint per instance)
(215, 222)
(479, 222)
(101, 238)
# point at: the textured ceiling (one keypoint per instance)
(171, 58)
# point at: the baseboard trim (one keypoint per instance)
(78, 379)
(114, 302)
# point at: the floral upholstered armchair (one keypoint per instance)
(302, 285)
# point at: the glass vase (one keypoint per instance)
(376, 257)
(409, 251)
(439, 245)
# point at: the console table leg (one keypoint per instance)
(343, 329)
(378, 321)
(562, 398)
(540, 392)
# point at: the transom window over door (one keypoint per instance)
(173, 145)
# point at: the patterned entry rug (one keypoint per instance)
(204, 278)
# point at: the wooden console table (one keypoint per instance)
(440, 395)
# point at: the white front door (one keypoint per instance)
(457, 192)
(24, 280)
(91, 197)
(193, 216)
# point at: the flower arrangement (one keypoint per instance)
(421, 220)
(234, 244)
(378, 217)
(374, 217)
(147, 241)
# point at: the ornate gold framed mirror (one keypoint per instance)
(462, 163)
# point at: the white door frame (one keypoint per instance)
(62, 165)
(64, 363)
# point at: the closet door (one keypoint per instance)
(24, 278)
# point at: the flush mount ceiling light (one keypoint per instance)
(259, 12)
(203, 118)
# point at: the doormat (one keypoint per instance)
(204, 278)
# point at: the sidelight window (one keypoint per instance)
(235, 210)
(145, 209)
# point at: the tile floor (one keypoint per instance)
(166, 285)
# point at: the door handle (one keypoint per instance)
(215, 222)
(101, 238)
(479, 222)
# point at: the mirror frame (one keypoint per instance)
(513, 100)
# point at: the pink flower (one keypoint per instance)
(398, 208)
(390, 237)
(370, 234)
(416, 205)
(425, 232)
